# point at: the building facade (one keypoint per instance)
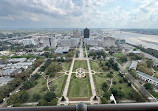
(86, 33)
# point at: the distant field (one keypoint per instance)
(79, 88)
(80, 64)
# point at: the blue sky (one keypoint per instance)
(79, 13)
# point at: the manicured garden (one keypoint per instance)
(80, 64)
(79, 87)
(95, 66)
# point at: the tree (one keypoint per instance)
(123, 59)
(109, 75)
(54, 67)
(115, 67)
(37, 63)
(24, 97)
(148, 86)
(129, 84)
(49, 96)
(107, 95)
(105, 68)
(104, 86)
(19, 97)
(42, 103)
(36, 97)
(54, 102)
(1, 100)
(103, 100)
(125, 79)
(150, 63)
(62, 99)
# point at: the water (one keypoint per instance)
(146, 40)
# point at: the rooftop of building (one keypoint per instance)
(147, 76)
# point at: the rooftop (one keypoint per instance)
(147, 76)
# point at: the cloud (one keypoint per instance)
(80, 13)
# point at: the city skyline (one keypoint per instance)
(79, 14)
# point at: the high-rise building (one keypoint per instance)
(50, 42)
(86, 33)
(75, 33)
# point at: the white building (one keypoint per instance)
(92, 42)
(50, 42)
(68, 42)
(133, 65)
(94, 49)
(62, 50)
(108, 42)
(75, 34)
(103, 42)
(147, 78)
(8, 72)
(29, 42)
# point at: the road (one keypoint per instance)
(137, 84)
(81, 50)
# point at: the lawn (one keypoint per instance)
(79, 88)
(99, 79)
(119, 61)
(80, 64)
(39, 88)
(122, 86)
(118, 55)
(95, 66)
(59, 85)
(66, 65)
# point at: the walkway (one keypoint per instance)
(65, 92)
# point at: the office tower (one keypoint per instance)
(86, 33)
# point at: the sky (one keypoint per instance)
(79, 14)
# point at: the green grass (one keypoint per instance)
(119, 61)
(155, 94)
(38, 88)
(95, 66)
(79, 88)
(123, 87)
(80, 64)
(66, 65)
(118, 55)
(99, 79)
(84, 53)
(59, 85)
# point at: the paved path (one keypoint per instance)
(37, 69)
(68, 82)
(81, 50)
(91, 80)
